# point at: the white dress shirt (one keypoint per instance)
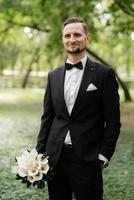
(72, 83)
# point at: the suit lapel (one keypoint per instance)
(60, 82)
(88, 75)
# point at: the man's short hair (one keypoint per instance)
(75, 20)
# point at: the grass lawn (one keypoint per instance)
(20, 112)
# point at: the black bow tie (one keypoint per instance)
(69, 66)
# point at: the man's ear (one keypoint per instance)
(88, 38)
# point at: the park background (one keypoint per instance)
(30, 46)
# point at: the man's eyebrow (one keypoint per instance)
(78, 33)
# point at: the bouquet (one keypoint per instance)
(32, 168)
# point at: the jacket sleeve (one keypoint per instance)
(111, 109)
(46, 119)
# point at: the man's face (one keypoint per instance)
(74, 38)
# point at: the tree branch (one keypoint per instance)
(125, 7)
(33, 26)
(6, 29)
(123, 85)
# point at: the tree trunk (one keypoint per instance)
(34, 58)
(13, 63)
(122, 84)
(25, 80)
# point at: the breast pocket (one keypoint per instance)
(92, 93)
(92, 97)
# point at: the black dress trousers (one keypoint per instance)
(75, 177)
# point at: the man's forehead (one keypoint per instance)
(77, 27)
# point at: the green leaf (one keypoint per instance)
(41, 184)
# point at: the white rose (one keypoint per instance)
(44, 167)
(32, 165)
(34, 168)
(36, 177)
(39, 157)
(22, 172)
(33, 154)
(31, 179)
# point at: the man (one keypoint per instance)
(81, 120)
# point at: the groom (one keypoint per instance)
(80, 124)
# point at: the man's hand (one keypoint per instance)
(103, 164)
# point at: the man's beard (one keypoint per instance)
(77, 51)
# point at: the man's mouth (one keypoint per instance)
(73, 46)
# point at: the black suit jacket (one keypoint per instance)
(94, 123)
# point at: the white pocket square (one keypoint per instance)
(91, 87)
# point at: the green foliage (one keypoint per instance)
(8, 55)
(110, 24)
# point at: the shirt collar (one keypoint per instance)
(83, 60)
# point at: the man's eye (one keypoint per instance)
(67, 36)
(77, 35)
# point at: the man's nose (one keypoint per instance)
(72, 38)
